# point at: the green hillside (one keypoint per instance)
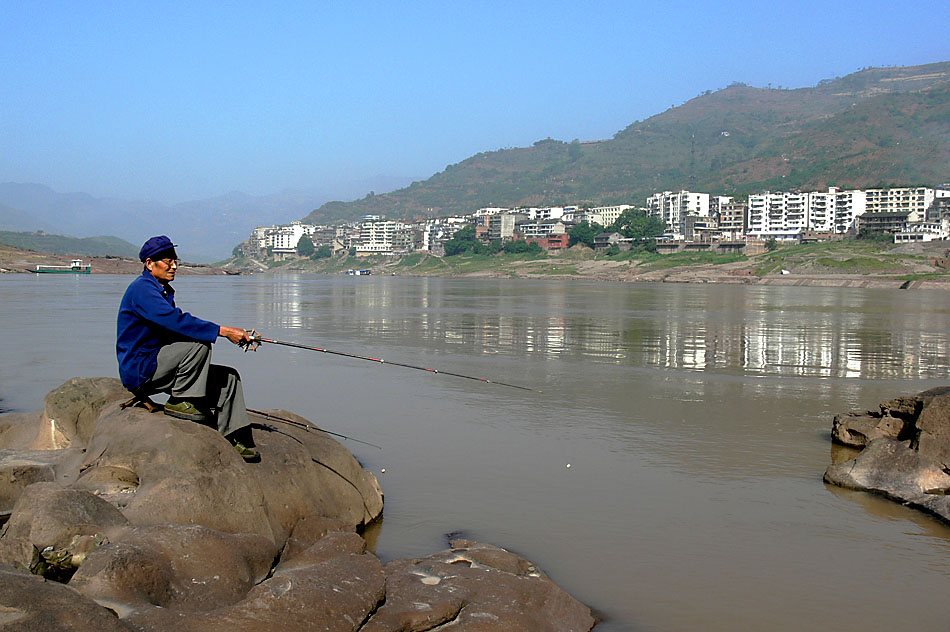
(877, 126)
(60, 245)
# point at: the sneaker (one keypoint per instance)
(183, 409)
(249, 454)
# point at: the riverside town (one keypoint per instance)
(694, 221)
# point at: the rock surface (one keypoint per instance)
(905, 452)
(158, 524)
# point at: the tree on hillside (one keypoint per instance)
(520, 246)
(462, 241)
(304, 246)
(323, 252)
(584, 233)
(637, 224)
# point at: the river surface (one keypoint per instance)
(695, 420)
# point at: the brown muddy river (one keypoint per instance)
(695, 419)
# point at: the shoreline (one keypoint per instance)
(917, 271)
(17, 261)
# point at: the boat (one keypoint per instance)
(363, 272)
(76, 267)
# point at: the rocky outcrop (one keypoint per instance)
(154, 523)
(905, 451)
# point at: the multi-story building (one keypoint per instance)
(923, 231)
(776, 215)
(543, 228)
(783, 215)
(915, 199)
(502, 225)
(281, 240)
(889, 221)
(849, 206)
(821, 211)
(552, 212)
(889, 210)
(489, 210)
(732, 219)
(672, 208)
(382, 237)
(609, 214)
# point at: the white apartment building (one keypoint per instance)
(898, 200)
(924, 231)
(554, 212)
(381, 237)
(608, 214)
(821, 211)
(542, 228)
(849, 205)
(777, 215)
(783, 215)
(489, 210)
(673, 208)
(282, 240)
(586, 215)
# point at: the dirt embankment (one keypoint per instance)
(14, 260)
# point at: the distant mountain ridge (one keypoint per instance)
(879, 126)
(205, 230)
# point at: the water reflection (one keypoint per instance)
(802, 332)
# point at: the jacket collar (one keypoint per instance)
(165, 288)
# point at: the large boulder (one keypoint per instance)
(189, 568)
(311, 474)
(18, 430)
(906, 451)
(933, 430)
(48, 514)
(161, 521)
(29, 603)
(337, 588)
(158, 470)
(70, 411)
(475, 586)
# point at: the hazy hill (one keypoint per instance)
(206, 230)
(876, 126)
(101, 246)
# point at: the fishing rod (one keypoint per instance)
(307, 426)
(257, 339)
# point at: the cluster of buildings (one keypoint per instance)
(908, 213)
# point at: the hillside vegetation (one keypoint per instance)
(876, 127)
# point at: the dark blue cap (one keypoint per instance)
(154, 246)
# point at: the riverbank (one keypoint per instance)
(849, 263)
(16, 260)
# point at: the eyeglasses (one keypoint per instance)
(170, 262)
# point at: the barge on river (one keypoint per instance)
(76, 267)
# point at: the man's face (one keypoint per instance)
(164, 268)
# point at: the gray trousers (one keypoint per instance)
(185, 371)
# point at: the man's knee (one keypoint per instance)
(224, 374)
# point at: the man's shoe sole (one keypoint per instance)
(189, 417)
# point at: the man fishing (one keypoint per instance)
(162, 349)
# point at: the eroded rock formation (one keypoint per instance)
(905, 451)
(154, 523)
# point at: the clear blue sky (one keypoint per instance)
(181, 100)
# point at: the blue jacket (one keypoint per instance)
(148, 320)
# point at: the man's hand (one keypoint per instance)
(234, 334)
